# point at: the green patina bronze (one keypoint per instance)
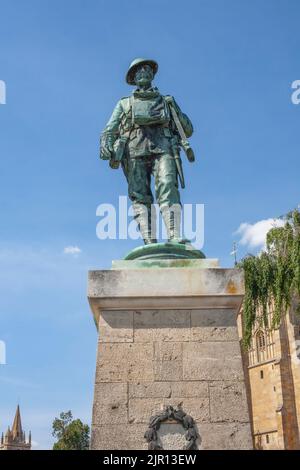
(144, 136)
(171, 250)
(156, 263)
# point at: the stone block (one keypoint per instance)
(124, 362)
(167, 361)
(119, 437)
(168, 390)
(218, 317)
(214, 334)
(141, 409)
(116, 327)
(198, 408)
(228, 402)
(189, 389)
(225, 436)
(150, 390)
(110, 404)
(162, 325)
(213, 325)
(212, 361)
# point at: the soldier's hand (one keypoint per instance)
(106, 146)
(169, 99)
(114, 164)
(106, 152)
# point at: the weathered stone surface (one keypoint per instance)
(162, 325)
(107, 393)
(168, 390)
(119, 437)
(212, 361)
(167, 361)
(168, 370)
(141, 409)
(166, 282)
(124, 362)
(198, 408)
(167, 352)
(207, 333)
(165, 288)
(168, 339)
(228, 402)
(213, 325)
(116, 327)
(218, 317)
(150, 390)
(225, 436)
(110, 404)
(171, 436)
(189, 389)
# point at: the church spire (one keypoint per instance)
(17, 425)
(15, 439)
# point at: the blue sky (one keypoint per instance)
(229, 63)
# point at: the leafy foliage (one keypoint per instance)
(273, 276)
(70, 434)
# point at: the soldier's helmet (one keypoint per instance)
(135, 64)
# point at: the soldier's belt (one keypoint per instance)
(161, 130)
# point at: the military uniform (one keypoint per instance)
(144, 121)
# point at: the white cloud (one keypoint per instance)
(72, 250)
(254, 235)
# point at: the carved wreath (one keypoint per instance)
(178, 415)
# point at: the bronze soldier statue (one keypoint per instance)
(144, 135)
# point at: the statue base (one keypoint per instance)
(169, 250)
(169, 362)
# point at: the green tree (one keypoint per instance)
(273, 276)
(70, 434)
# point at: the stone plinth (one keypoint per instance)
(168, 337)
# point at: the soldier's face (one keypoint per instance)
(143, 75)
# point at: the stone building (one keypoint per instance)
(272, 373)
(15, 438)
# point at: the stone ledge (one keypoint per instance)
(166, 263)
(168, 288)
(167, 282)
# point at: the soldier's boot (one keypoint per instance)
(172, 219)
(145, 216)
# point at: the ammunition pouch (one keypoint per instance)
(149, 110)
(120, 147)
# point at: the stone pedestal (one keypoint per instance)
(168, 337)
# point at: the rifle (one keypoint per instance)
(178, 162)
(183, 140)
